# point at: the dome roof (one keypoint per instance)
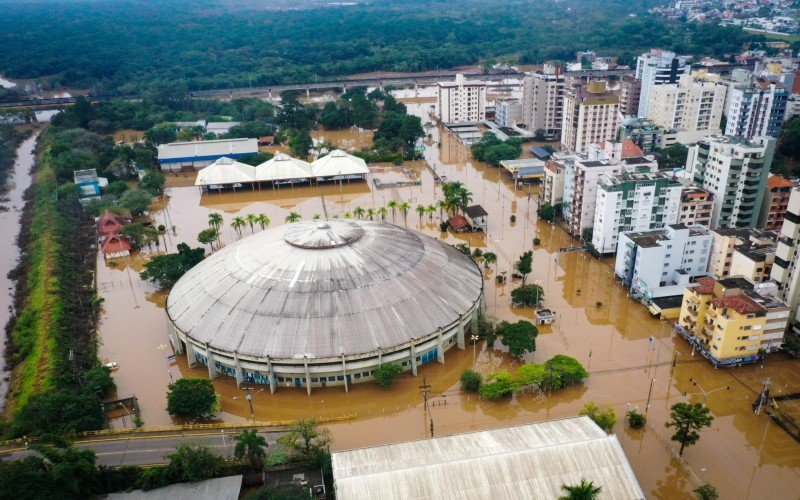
(322, 289)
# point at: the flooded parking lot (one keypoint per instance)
(624, 348)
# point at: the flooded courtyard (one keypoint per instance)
(625, 349)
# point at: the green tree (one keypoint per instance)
(519, 337)
(194, 463)
(688, 419)
(300, 143)
(706, 491)
(208, 237)
(585, 490)
(636, 420)
(586, 235)
(564, 371)
(605, 418)
(489, 258)
(251, 445)
(471, 380)
(215, 220)
(255, 159)
(251, 129)
(547, 213)
(386, 373)
(306, 440)
(498, 386)
(263, 221)
(135, 201)
(237, 224)
(153, 182)
(292, 217)
(167, 269)
(524, 265)
(162, 133)
(192, 398)
(139, 235)
(58, 412)
(334, 117)
(116, 188)
(789, 140)
(527, 295)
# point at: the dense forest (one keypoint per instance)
(128, 44)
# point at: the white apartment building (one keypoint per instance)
(735, 171)
(657, 67)
(542, 100)
(757, 110)
(591, 115)
(633, 201)
(662, 263)
(552, 190)
(461, 101)
(507, 112)
(693, 106)
(786, 269)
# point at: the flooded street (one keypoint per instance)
(12, 204)
(743, 455)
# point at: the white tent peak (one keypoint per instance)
(225, 171)
(338, 162)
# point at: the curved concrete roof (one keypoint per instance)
(323, 289)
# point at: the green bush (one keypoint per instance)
(471, 380)
(154, 478)
(386, 373)
(603, 417)
(501, 385)
(636, 420)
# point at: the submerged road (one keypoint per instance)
(139, 450)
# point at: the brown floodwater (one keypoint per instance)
(624, 348)
(11, 206)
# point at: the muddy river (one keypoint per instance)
(625, 349)
(11, 207)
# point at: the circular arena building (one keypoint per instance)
(322, 303)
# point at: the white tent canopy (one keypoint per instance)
(283, 167)
(225, 171)
(337, 162)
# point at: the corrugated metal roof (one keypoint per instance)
(207, 148)
(323, 289)
(526, 461)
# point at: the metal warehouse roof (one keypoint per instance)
(193, 149)
(323, 289)
(526, 461)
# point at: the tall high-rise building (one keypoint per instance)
(630, 93)
(775, 203)
(461, 101)
(735, 171)
(693, 106)
(757, 110)
(591, 115)
(786, 268)
(657, 67)
(542, 100)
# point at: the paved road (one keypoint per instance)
(151, 450)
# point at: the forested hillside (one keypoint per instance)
(128, 44)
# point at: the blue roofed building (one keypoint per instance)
(183, 156)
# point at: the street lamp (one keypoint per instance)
(249, 397)
(474, 339)
(538, 284)
(704, 392)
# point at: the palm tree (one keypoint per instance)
(348, 215)
(430, 210)
(421, 211)
(464, 196)
(383, 211)
(215, 220)
(358, 212)
(263, 221)
(489, 258)
(404, 207)
(316, 217)
(477, 255)
(451, 205)
(586, 490)
(249, 444)
(251, 219)
(441, 204)
(292, 217)
(237, 224)
(371, 213)
(392, 205)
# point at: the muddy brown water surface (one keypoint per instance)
(621, 344)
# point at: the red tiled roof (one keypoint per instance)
(776, 181)
(110, 223)
(740, 303)
(705, 285)
(630, 149)
(458, 222)
(114, 244)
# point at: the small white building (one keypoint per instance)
(477, 217)
(461, 101)
(662, 263)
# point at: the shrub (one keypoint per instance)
(501, 385)
(153, 478)
(386, 373)
(471, 380)
(537, 241)
(569, 371)
(519, 337)
(513, 218)
(636, 420)
(603, 417)
(527, 295)
(192, 398)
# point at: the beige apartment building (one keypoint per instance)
(725, 240)
(591, 115)
(542, 100)
(696, 207)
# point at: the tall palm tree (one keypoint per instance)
(383, 211)
(371, 213)
(441, 204)
(237, 224)
(464, 197)
(404, 207)
(586, 490)
(292, 217)
(421, 211)
(358, 212)
(477, 255)
(392, 205)
(430, 210)
(251, 219)
(263, 221)
(489, 258)
(249, 444)
(215, 220)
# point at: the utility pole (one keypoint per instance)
(649, 393)
(762, 398)
(425, 388)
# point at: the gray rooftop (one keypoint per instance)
(223, 488)
(323, 289)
